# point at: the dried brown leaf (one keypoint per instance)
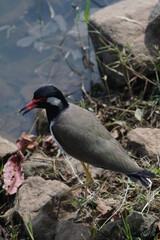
(102, 208)
(25, 141)
(49, 146)
(12, 173)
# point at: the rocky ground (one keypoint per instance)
(112, 208)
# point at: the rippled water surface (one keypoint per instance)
(39, 45)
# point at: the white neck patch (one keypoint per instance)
(58, 144)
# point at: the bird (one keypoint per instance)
(80, 134)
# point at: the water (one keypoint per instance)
(37, 48)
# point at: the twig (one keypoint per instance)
(140, 76)
(34, 123)
(151, 199)
(72, 168)
(121, 109)
(86, 94)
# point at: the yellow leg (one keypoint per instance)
(88, 175)
(88, 182)
(89, 179)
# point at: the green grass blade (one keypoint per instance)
(87, 10)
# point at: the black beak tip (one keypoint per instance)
(22, 109)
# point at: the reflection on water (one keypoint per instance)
(33, 54)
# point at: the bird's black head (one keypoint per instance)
(43, 98)
(47, 92)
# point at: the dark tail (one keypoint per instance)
(142, 177)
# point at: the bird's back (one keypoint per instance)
(82, 136)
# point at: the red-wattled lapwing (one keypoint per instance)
(81, 135)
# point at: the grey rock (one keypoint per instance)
(141, 225)
(123, 23)
(38, 164)
(62, 230)
(152, 35)
(7, 148)
(155, 11)
(67, 230)
(145, 141)
(46, 222)
(35, 194)
(34, 203)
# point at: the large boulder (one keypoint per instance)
(34, 203)
(35, 194)
(135, 23)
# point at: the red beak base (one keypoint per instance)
(29, 106)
